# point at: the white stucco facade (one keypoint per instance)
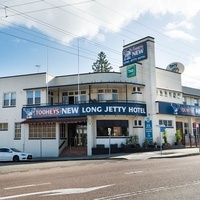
(51, 111)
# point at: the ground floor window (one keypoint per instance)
(62, 130)
(3, 126)
(37, 131)
(118, 127)
(17, 130)
(167, 123)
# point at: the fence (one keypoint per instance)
(191, 140)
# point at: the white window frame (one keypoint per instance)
(34, 97)
(196, 102)
(11, 99)
(108, 94)
(167, 123)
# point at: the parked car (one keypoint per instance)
(12, 154)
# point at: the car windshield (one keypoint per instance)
(15, 150)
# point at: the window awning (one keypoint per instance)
(54, 120)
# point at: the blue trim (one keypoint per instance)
(135, 109)
(178, 109)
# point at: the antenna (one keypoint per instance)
(38, 66)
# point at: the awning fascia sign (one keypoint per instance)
(178, 109)
(136, 109)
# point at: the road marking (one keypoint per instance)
(158, 189)
(136, 172)
(57, 192)
(24, 186)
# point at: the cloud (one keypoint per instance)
(183, 24)
(178, 34)
(190, 77)
(66, 20)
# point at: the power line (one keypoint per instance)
(61, 30)
(124, 28)
(73, 35)
(26, 3)
(73, 47)
(146, 26)
(60, 7)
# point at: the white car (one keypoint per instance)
(12, 154)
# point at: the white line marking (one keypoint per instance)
(136, 172)
(147, 191)
(57, 192)
(24, 186)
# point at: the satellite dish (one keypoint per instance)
(176, 67)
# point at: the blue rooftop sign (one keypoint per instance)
(135, 53)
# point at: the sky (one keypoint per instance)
(64, 37)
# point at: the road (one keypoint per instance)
(168, 178)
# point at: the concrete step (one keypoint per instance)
(74, 151)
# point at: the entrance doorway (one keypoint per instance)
(77, 135)
(179, 126)
(77, 140)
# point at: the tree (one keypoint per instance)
(101, 64)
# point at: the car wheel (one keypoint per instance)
(16, 158)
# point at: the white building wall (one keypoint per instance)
(150, 83)
(11, 115)
(168, 80)
(150, 79)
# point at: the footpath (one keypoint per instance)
(170, 153)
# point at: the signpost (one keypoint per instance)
(109, 133)
(148, 130)
(162, 129)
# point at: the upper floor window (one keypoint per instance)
(136, 90)
(178, 95)
(50, 98)
(9, 99)
(195, 102)
(65, 97)
(83, 96)
(73, 97)
(107, 95)
(33, 97)
(184, 100)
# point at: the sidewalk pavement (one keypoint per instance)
(170, 153)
